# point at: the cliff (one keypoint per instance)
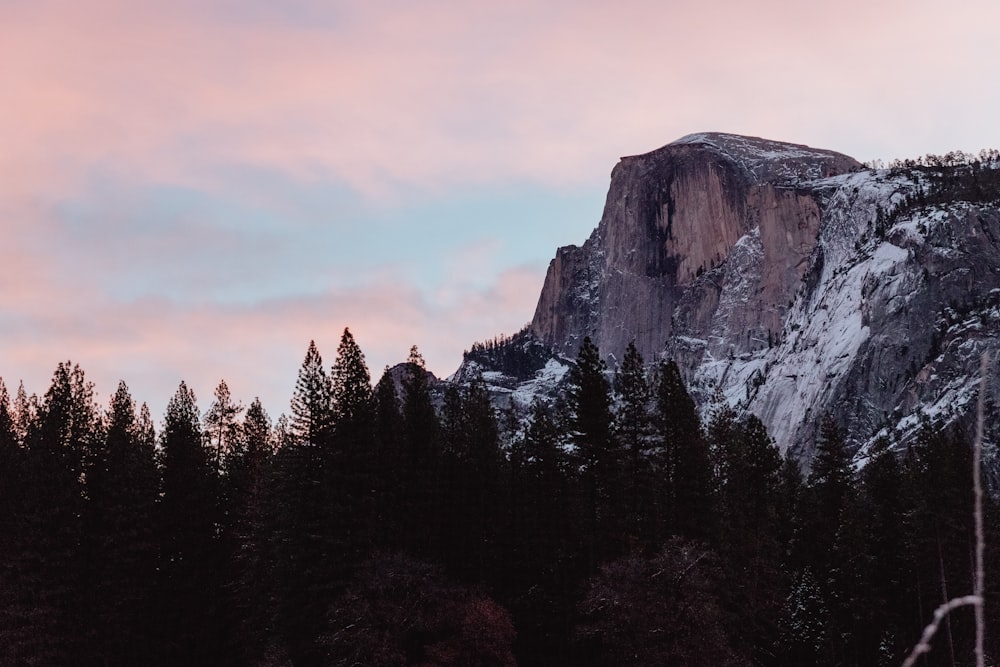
(789, 282)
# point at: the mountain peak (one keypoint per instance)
(789, 281)
(763, 160)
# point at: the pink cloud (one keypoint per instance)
(441, 93)
(438, 95)
(154, 343)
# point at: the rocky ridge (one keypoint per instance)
(786, 281)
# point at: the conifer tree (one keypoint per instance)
(348, 482)
(590, 420)
(42, 587)
(749, 497)
(389, 461)
(121, 538)
(546, 537)
(880, 599)
(222, 424)
(805, 625)
(24, 412)
(10, 455)
(687, 471)
(352, 393)
(15, 591)
(419, 488)
(189, 561)
(829, 485)
(312, 409)
(472, 481)
(633, 429)
(939, 534)
(247, 467)
(305, 544)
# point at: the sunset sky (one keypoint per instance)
(193, 189)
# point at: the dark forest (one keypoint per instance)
(382, 526)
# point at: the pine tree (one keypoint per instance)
(939, 533)
(389, 462)
(749, 497)
(121, 545)
(633, 429)
(350, 469)
(590, 419)
(15, 590)
(10, 455)
(829, 485)
(827, 535)
(546, 535)
(24, 413)
(880, 599)
(419, 488)
(687, 496)
(419, 418)
(352, 393)
(472, 503)
(221, 424)
(189, 554)
(312, 409)
(43, 580)
(805, 625)
(247, 468)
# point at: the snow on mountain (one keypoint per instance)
(786, 281)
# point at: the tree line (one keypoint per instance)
(379, 526)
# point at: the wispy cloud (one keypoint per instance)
(198, 188)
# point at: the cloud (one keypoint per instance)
(199, 188)
(154, 343)
(443, 93)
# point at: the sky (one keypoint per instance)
(195, 189)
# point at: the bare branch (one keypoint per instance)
(976, 599)
(977, 485)
(924, 645)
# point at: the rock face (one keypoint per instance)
(674, 219)
(791, 282)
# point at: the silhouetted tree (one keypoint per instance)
(686, 496)
(190, 567)
(589, 423)
(121, 539)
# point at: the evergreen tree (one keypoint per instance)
(305, 549)
(473, 486)
(24, 413)
(749, 497)
(389, 461)
(827, 534)
(350, 465)
(312, 409)
(880, 597)
(121, 538)
(420, 420)
(686, 498)
(222, 424)
(42, 587)
(15, 589)
(190, 571)
(353, 401)
(633, 429)
(247, 467)
(829, 485)
(589, 406)
(546, 535)
(939, 529)
(419, 487)
(805, 625)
